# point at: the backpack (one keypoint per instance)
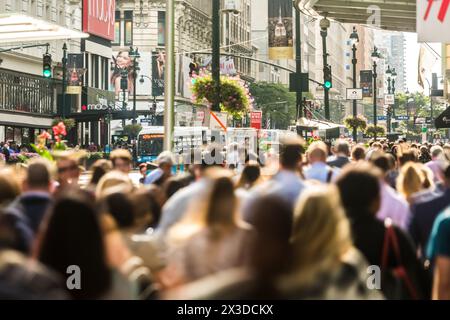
(396, 282)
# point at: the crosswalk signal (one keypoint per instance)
(47, 65)
(327, 83)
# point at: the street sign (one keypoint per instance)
(218, 121)
(433, 18)
(381, 118)
(389, 99)
(402, 118)
(256, 119)
(354, 94)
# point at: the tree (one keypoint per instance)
(132, 129)
(276, 103)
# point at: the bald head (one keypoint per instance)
(38, 177)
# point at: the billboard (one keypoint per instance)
(122, 62)
(158, 66)
(280, 30)
(99, 17)
(366, 82)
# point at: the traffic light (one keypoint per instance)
(194, 68)
(327, 83)
(47, 65)
(124, 80)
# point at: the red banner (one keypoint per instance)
(99, 17)
(256, 119)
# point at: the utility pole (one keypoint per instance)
(64, 81)
(215, 63)
(324, 25)
(169, 76)
(298, 59)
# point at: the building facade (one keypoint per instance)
(28, 102)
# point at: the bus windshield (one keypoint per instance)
(150, 144)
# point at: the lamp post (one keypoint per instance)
(64, 80)
(354, 40)
(324, 25)
(134, 55)
(215, 63)
(388, 112)
(375, 57)
(154, 104)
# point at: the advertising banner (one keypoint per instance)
(99, 17)
(433, 17)
(280, 30)
(256, 119)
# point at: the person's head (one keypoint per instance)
(407, 156)
(358, 152)
(291, 153)
(118, 206)
(9, 186)
(359, 189)
(121, 160)
(447, 176)
(320, 234)
(99, 169)
(113, 181)
(436, 152)
(410, 180)
(376, 146)
(249, 176)
(342, 148)
(147, 203)
(38, 177)
(68, 171)
(173, 184)
(381, 161)
(271, 250)
(317, 152)
(424, 150)
(10, 237)
(165, 162)
(72, 238)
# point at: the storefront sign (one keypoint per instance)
(256, 119)
(99, 17)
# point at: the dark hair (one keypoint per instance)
(148, 201)
(99, 169)
(12, 235)
(272, 218)
(381, 162)
(173, 184)
(447, 173)
(407, 156)
(119, 206)
(221, 203)
(358, 153)
(359, 188)
(38, 175)
(290, 155)
(73, 236)
(249, 176)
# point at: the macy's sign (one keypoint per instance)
(99, 17)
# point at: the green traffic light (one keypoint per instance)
(327, 84)
(47, 73)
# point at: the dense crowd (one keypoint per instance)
(346, 221)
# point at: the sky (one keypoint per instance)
(412, 56)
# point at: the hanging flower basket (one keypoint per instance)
(359, 123)
(377, 131)
(235, 98)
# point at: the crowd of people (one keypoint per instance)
(350, 221)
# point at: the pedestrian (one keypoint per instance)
(318, 169)
(121, 160)
(342, 154)
(158, 176)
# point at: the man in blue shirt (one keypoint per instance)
(318, 169)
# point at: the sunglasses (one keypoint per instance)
(69, 168)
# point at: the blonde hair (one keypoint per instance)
(321, 233)
(112, 182)
(9, 186)
(317, 149)
(412, 178)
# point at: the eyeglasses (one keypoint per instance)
(69, 168)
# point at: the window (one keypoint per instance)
(128, 26)
(161, 28)
(117, 29)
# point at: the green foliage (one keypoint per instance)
(95, 155)
(377, 131)
(269, 97)
(43, 152)
(359, 123)
(132, 129)
(233, 95)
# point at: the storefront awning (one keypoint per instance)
(16, 27)
(317, 124)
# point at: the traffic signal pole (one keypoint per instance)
(64, 81)
(298, 59)
(326, 97)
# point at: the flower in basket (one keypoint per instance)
(59, 131)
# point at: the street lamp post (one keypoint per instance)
(388, 113)
(215, 63)
(64, 81)
(154, 104)
(375, 58)
(354, 39)
(134, 55)
(324, 25)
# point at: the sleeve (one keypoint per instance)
(412, 226)
(441, 239)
